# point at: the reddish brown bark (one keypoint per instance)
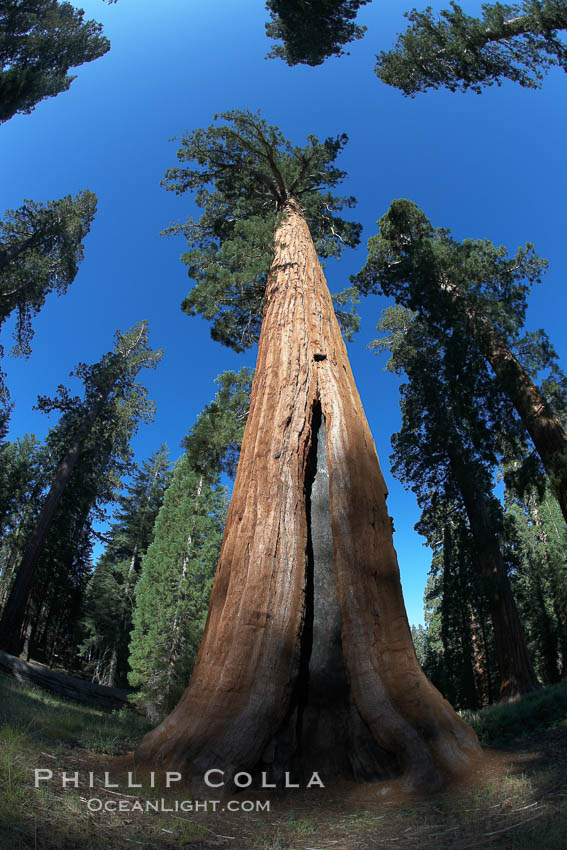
(281, 622)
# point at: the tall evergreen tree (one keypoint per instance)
(518, 42)
(40, 40)
(447, 444)
(109, 598)
(537, 535)
(312, 31)
(40, 252)
(179, 568)
(113, 405)
(471, 291)
(307, 585)
(172, 595)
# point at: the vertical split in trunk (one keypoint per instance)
(307, 658)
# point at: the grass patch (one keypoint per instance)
(42, 717)
(503, 722)
(518, 810)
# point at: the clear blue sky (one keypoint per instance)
(486, 166)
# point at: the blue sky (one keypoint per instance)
(489, 166)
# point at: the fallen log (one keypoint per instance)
(68, 687)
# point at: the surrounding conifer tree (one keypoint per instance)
(307, 585)
(24, 472)
(40, 252)
(312, 31)
(180, 566)
(40, 40)
(471, 291)
(110, 595)
(537, 536)
(112, 407)
(518, 42)
(172, 595)
(446, 448)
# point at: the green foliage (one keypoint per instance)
(539, 710)
(101, 425)
(40, 252)
(172, 594)
(312, 31)
(536, 536)
(110, 594)
(243, 173)
(517, 42)
(213, 442)
(412, 262)
(40, 40)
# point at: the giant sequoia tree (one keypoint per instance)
(518, 42)
(307, 661)
(474, 290)
(40, 40)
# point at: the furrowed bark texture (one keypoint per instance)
(304, 621)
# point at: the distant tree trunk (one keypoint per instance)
(542, 424)
(11, 638)
(482, 687)
(516, 672)
(307, 609)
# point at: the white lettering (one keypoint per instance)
(208, 775)
(171, 776)
(315, 780)
(41, 774)
(73, 779)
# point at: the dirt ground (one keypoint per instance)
(515, 797)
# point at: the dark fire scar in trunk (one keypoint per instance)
(323, 731)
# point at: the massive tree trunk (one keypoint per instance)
(11, 637)
(517, 675)
(307, 661)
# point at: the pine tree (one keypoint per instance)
(307, 585)
(173, 592)
(312, 31)
(40, 40)
(536, 534)
(518, 42)
(103, 421)
(180, 566)
(40, 252)
(110, 595)
(471, 291)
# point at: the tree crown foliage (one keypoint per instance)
(423, 268)
(40, 40)
(40, 252)
(519, 42)
(244, 173)
(312, 30)
(213, 442)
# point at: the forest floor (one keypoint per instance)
(515, 798)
